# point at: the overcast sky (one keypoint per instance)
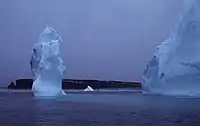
(103, 39)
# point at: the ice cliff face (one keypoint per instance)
(46, 65)
(175, 67)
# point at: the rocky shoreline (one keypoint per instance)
(78, 84)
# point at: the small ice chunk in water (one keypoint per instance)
(89, 89)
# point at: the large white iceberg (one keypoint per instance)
(46, 65)
(175, 67)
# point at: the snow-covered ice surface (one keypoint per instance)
(46, 65)
(174, 69)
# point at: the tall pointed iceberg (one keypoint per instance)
(46, 65)
(175, 67)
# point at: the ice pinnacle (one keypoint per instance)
(46, 64)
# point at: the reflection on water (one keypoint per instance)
(98, 109)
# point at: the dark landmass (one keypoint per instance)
(78, 84)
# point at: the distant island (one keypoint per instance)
(78, 84)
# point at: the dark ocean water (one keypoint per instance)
(98, 109)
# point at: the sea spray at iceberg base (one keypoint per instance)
(46, 65)
(175, 67)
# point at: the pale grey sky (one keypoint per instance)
(103, 39)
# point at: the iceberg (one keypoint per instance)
(174, 68)
(46, 64)
(89, 89)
